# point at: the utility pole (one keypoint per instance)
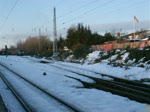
(39, 40)
(55, 53)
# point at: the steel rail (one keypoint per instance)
(117, 79)
(69, 105)
(114, 90)
(125, 88)
(24, 105)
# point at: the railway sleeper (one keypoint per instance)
(135, 83)
(125, 81)
(139, 88)
(123, 88)
(132, 96)
(132, 82)
(133, 86)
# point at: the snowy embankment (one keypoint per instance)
(90, 100)
(132, 73)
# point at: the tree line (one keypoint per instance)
(82, 35)
(77, 37)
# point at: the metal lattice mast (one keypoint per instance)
(54, 34)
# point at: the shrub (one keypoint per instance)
(98, 60)
(82, 51)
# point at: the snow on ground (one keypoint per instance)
(90, 100)
(9, 99)
(92, 56)
(134, 73)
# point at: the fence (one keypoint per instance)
(109, 46)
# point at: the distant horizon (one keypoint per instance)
(9, 39)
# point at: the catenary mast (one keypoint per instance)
(55, 53)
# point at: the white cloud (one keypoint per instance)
(125, 26)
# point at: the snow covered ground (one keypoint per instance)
(89, 100)
(133, 73)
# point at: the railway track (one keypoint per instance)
(111, 77)
(2, 105)
(28, 108)
(23, 104)
(131, 89)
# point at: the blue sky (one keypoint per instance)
(100, 15)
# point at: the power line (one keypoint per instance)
(114, 11)
(73, 10)
(78, 9)
(100, 7)
(3, 24)
(106, 3)
(89, 11)
(54, 4)
(125, 8)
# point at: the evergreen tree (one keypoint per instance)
(82, 35)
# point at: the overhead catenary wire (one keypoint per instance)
(78, 9)
(89, 11)
(59, 2)
(104, 4)
(66, 22)
(3, 24)
(84, 12)
(55, 3)
(125, 8)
